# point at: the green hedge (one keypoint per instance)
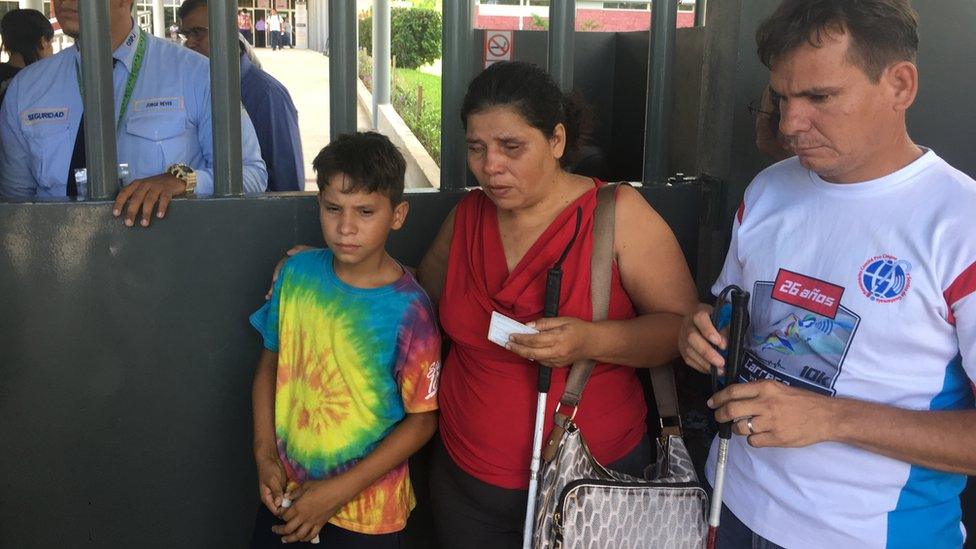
(415, 36)
(423, 120)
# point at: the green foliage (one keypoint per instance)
(411, 79)
(415, 36)
(539, 22)
(423, 119)
(365, 33)
(424, 122)
(424, 4)
(364, 69)
(590, 25)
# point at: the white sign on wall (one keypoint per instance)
(498, 46)
(301, 25)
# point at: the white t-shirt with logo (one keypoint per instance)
(863, 291)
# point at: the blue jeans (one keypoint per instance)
(734, 534)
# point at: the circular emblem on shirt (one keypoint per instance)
(885, 278)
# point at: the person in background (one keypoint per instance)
(274, 26)
(769, 140)
(163, 122)
(260, 33)
(27, 37)
(266, 100)
(244, 25)
(174, 32)
(286, 32)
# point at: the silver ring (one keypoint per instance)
(749, 426)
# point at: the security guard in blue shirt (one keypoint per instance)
(164, 130)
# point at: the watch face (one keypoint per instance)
(180, 170)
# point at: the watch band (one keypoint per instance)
(186, 174)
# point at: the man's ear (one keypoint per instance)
(400, 214)
(902, 82)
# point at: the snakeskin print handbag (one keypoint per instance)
(581, 503)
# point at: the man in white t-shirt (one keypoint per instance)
(274, 26)
(856, 427)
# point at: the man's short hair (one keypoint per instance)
(370, 161)
(882, 32)
(188, 6)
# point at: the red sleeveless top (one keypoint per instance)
(488, 394)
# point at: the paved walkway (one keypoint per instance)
(306, 75)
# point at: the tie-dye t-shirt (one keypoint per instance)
(351, 363)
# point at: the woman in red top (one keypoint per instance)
(492, 254)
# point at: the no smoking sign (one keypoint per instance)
(498, 46)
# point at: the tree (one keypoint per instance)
(415, 36)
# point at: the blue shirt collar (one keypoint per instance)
(126, 51)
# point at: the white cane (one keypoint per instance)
(554, 278)
(737, 332)
(540, 423)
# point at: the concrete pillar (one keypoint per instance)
(313, 25)
(381, 57)
(158, 18)
(318, 26)
(301, 25)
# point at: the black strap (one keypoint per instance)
(78, 153)
(77, 158)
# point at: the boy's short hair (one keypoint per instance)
(882, 32)
(370, 161)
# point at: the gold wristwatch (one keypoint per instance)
(185, 174)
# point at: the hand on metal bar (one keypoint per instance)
(151, 193)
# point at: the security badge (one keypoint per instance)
(32, 117)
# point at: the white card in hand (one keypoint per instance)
(501, 327)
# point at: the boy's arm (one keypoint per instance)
(315, 502)
(271, 474)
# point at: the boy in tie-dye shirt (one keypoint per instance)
(346, 388)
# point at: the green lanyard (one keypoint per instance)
(130, 85)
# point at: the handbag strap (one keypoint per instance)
(601, 265)
(666, 398)
(601, 269)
